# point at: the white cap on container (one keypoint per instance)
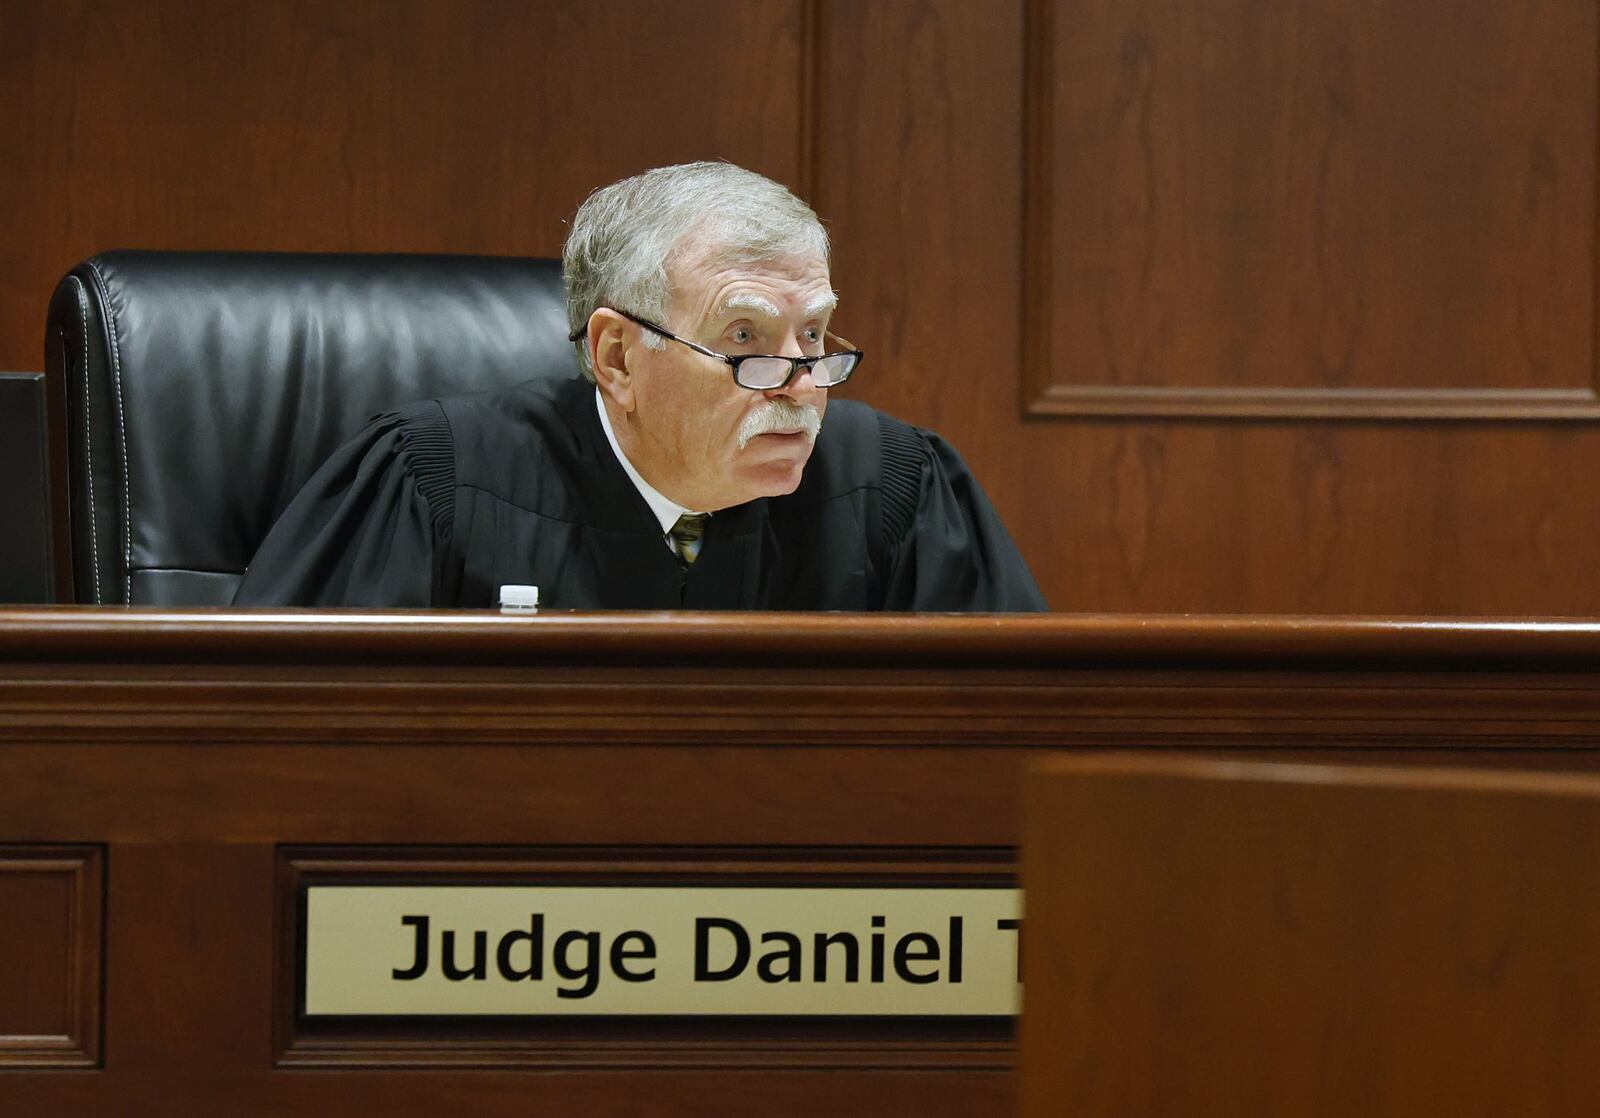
(519, 598)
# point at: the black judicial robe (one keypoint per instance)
(442, 502)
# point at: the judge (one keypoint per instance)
(697, 463)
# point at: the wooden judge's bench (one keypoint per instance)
(174, 785)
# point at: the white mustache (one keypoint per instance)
(780, 415)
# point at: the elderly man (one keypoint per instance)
(690, 467)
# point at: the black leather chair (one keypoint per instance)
(203, 389)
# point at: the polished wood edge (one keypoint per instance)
(644, 1044)
(1057, 400)
(43, 1053)
(80, 1047)
(860, 1053)
(1435, 778)
(772, 640)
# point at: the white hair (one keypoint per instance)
(626, 237)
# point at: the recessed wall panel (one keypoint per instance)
(1314, 209)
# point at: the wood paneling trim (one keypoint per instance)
(642, 1043)
(441, 640)
(1050, 399)
(1038, 82)
(78, 1046)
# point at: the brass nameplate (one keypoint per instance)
(691, 951)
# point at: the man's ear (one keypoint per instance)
(609, 356)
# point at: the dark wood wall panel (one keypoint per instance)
(1207, 332)
(1345, 518)
(1312, 208)
(919, 141)
(928, 109)
(369, 125)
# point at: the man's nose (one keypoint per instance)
(802, 387)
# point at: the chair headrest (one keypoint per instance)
(205, 388)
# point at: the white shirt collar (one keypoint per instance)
(665, 508)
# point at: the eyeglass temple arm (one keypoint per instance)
(654, 329)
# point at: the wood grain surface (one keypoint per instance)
(1212, 937)
(1236, 307)
(1319, 209)
(205, 751)
(51, 955)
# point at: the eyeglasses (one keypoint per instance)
(763, 372)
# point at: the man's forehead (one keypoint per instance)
(711, 276)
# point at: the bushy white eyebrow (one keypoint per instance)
(752, 301)
(824, 302)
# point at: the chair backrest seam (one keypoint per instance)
(122, 434)
(88, 436)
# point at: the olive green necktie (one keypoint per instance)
(687, 535)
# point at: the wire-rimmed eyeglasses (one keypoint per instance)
(762, 372)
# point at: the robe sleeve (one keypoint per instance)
(371, 527)
(947, 549)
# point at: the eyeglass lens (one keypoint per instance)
(769, 372)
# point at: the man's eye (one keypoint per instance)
(741, 336)
(813, 334)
